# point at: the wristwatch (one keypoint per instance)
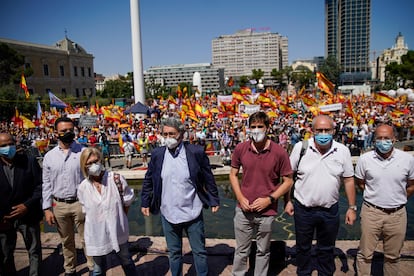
(272, 199)
(353, 207)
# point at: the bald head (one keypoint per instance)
(384, 132)
(6, 139)
(322, 121)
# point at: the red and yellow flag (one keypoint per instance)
(23, 85)
(230, 82)
(237, 96)
(324, 84)
(349, 111)
(384, 99)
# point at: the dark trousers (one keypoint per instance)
(323, 221)
(31, 237)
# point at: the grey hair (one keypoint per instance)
(173, 122)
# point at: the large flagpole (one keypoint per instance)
(139, 92)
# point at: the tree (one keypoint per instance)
(397, 75)
(282, 77)
(331, 69)
(302, 76)
(11, 69)
(243, 81)
(120, 88)
(11, 64)
(257, 74)
(407, 68)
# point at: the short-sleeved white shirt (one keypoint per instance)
(320, 176)
(385, 179)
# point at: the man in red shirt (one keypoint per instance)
(267, 175)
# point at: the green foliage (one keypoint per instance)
(302, 76)
(11, 64)
(12, 97)
(397, 75)
(243, 81)
(331, 69)
(121, 88)
(257, 74)
(282, 77)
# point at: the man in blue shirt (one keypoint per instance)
(61, 178)
(179, 183)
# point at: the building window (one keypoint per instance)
(62, 70)
(27, 65)
(64, 92)
(45, 70)
(75, 71)
(89, 72)
(77, 92)
(82, 71)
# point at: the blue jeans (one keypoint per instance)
(128, 265)
(31, 238)
(325, 221)
(195, 232)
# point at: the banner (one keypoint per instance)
(330, 107)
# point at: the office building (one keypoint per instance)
(212, 78)
(246, 50)
(347, 31)
(65, 68)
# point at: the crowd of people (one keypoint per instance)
(219, 133)
(74, 190)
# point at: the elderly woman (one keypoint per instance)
(104, 197)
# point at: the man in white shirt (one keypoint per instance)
(386, 176)
(321, 170)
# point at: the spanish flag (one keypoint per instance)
(230, 82)
(349, 110)
(384, 99)
(23, 85)
(237, 96)
(324, 84)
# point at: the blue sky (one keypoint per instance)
(181, 31)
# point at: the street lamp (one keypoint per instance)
(89, 94)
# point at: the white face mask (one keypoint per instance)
(171, 142)
(95, 169)
(257, 135)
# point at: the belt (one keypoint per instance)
(314, 208)
(66, 200)
(385, 210)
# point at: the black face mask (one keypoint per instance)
(67, 137)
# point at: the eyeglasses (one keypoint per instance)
(323, 130)
(169, 134)
(261, 126)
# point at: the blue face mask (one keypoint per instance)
(384, 146)
(323, 138)
(8, 151)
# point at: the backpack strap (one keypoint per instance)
(302, 153)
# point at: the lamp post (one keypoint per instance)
(89, 93)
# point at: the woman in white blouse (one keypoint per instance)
(104, 197)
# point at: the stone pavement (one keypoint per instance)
(151, 257)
